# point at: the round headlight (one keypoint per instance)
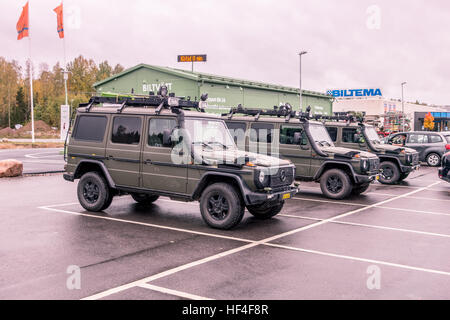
(262, 176)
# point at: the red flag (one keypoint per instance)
(22, 25)
(60, 21)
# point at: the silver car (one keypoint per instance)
(430, 145)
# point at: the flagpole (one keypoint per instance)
(31, 75)
(66, 75)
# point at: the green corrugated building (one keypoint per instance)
(223, 92)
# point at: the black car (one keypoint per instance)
(444, 171)
(430, 145)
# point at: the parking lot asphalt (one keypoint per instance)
(36, 160)
(315, 249)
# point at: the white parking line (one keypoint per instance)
(372, 261)
(371, 226)
(418, 198)
(242, 248)
(172, 292)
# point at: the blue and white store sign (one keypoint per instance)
(355, 93)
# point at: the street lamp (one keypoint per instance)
(403, 108)
(300, 55)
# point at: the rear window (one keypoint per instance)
(434, 138)
(90, 128)
(126, 130)
(447, 138)
(418, 138)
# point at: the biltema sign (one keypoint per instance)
(351, 93)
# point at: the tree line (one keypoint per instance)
(48, 88)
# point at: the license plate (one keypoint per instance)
(286, 196)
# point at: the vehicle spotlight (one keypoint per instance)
(163, 91)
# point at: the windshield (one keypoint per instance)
(209, 133)
(372, 135)
(320, 135)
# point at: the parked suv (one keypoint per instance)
(444, 170)
(158, 146)
(289, 135)
(430, 145)
(396, 163)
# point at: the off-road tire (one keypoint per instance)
(391, 170)
(266, 210)
(144, 198)
(433, 159)
(336, 184)
(221, 206)
(108, 201)
(358, 189)
(93, 192)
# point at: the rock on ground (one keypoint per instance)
(10, 168)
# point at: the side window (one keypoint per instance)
(90, 128)
(288, 135)
(237, 130)
(418, 138)
(398, 139)
(126, 130)
(261, 132)
(348, 135)
(434, 138)
(156, 131)
(332, 131)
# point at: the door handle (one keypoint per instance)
(109, 158)
(148, 161)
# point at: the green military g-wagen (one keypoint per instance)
(396, 163)
(158, 145)
(287, 134)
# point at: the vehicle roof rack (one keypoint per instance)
(160, 102)
(281, 111)
(340, 116)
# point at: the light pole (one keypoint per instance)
(403, 108)
(301, 100)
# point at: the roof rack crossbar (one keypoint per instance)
(282, 111)
(122, 106)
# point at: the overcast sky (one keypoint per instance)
(350, 43)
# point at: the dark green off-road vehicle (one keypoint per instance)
(396, 163)
(291, 135)
(159, 145)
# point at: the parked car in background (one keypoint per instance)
(430, 145)
(444, 170)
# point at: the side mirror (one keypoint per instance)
(297, 137)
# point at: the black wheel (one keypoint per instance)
(221, 206)
(144, 198)
(108, 201)
(336, 184)
(266, 210)
(93, 192)
(433, 159)
(403, 176)
(358, 189)
(390, 173)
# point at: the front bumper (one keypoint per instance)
(252, 198)
(407, 169)
(444, 174)
(69, 177)
(361, 178)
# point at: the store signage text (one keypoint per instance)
(349, 93)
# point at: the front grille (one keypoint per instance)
(415, 159)
(374, 164)
(282, 177)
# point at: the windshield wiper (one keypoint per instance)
(202, 143)
(324, 141)
(217, 142)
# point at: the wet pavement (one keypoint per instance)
(315, 249)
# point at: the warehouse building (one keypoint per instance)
(223, 92)
(384, 112)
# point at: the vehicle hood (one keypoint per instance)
(239, 157)
(346, 152)
(387, 148)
